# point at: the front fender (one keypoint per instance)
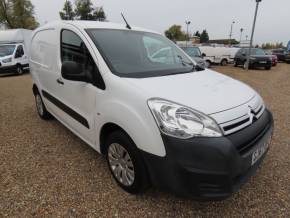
(138, 122)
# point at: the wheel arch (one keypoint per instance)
(35, 89)
(106, 130)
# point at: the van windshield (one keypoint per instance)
(6, 50)
(139, 54)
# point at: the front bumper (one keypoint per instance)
(8, 69)
(209, 168)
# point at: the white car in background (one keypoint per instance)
(158, 121)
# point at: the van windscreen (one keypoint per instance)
(6, 50)
(139, 54)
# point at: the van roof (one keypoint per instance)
(95, 25)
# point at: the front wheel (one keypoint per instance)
(268, 68)
(208, 64)
(126, 163)
(19, 69)
(245, 65)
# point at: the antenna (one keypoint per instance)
(127, 25)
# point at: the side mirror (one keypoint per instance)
(203, 55)
(73, 71)
(244, 54)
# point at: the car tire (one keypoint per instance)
(41, 109)
(268, 68)
(126, 163)
(224, 62)
(235, 64)
(245, 65)
(19, 69)
(208, 63)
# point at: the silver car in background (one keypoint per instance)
(195, 54)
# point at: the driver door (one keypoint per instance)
(76, 100)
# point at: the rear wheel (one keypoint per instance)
(224, 62)
(41, 109)
(125, 163)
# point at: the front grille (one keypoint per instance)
(242, 122)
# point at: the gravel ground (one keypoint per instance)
(45, 170)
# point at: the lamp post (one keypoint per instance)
(231, 32)
(187, 25)
(242, 30)
(253, 31)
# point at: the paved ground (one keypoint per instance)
(47, 171)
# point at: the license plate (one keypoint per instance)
(263, 62)
(258, 153)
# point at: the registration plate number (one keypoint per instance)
(258, 153)
(263, 62)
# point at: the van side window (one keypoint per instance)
(74, 49)
(19, 52)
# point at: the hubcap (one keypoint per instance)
(121, 164)
(39, 105)
(19, 70)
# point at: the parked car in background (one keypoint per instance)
(258, 58)
(218, 55)
(195, 54)
(273, 57)
(14, 50)
(287, 57)
(280, 53)
(163, 122)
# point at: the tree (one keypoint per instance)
(197, 34)
(175, 33)
(272, 45)
(99, 14)
(23, 12)
(17, 14)
(204, 37)
(6, 13)
(67, 12)
(84, 10)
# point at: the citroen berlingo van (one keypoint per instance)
(160, 120)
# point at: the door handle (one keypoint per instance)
(59, 81)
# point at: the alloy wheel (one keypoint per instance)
(121, 164)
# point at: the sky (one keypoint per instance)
(215, 16)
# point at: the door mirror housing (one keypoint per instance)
(73, 71)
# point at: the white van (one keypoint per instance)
(163, 122)
(218, 55)
(14, 50)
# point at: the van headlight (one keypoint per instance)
(182, 122)
(7, 60)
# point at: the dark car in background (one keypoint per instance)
(273, 57)
(258, 58)
(195, 54)
(280, 53)
(287, 57)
